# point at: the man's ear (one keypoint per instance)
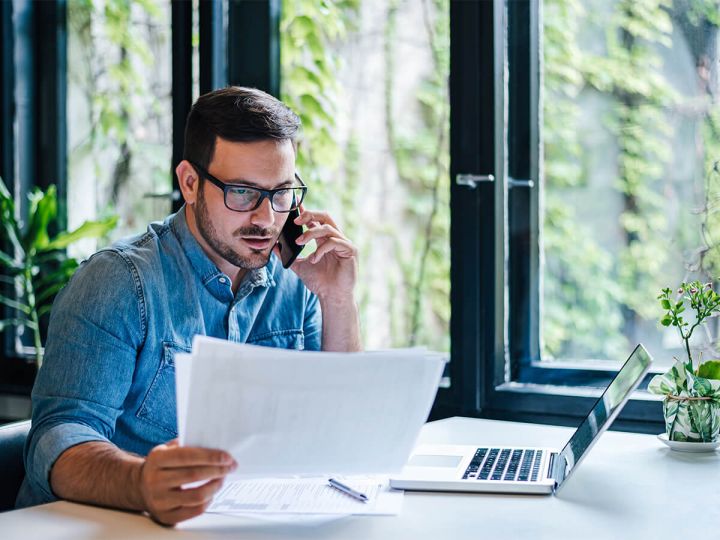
(189, 181)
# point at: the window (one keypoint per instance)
(630, 138)
(119, 102)
(604, 169)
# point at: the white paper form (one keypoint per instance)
(286, 413)
(183, 373)
(305, 496)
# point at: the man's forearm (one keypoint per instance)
(99, 473)
(341, 325)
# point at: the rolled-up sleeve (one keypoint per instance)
(97, 325)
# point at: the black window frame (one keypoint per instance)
(495, 370)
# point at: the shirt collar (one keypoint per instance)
(205, 268)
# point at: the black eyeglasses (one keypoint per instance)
(242, 198)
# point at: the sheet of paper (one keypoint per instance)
(285, 413)
(306, 496)
(183, 372)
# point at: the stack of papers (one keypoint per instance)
(284, 413)
(306, 496)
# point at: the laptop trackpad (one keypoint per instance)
(424, 460)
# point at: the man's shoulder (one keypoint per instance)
(138, 250)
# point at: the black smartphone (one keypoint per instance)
(289, 250)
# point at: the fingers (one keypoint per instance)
(176, 515)
(198, 495)
(308, 216)
(179, 456)
(168, 467)
(342, 248)
(318, 233)
(187, 503)
(173, 478)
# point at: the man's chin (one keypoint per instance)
(257, 258)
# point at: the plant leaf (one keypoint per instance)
(89, 229)
(15, 304)
(709, 369)
(43, 210)
(49, 292)
(7, 261)
(7, 218)
(61, 275)
(6, 323)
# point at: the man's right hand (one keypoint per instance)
(168, 467)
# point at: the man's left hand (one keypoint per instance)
(330, 272)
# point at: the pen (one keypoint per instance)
(347, 490)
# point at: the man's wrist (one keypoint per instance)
(337, 301)
(137, 493)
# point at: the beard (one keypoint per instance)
(254, 259)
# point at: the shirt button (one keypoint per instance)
(222, 280)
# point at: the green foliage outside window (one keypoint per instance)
(312, 34)
(596, 296)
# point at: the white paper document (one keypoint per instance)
(285, 413)
(306, 496)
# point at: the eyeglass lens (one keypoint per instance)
(246, 198)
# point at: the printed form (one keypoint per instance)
(306, 496)
(291, 419)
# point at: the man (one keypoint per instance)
(104, 401)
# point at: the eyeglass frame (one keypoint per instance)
(264, 193)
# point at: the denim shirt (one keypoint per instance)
(108, 371)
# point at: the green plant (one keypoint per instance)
(692, 398)
(703, 300)
(35, 266)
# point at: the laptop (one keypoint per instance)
(498, 469)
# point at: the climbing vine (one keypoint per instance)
(597, 296)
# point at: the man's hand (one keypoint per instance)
(330, 272)
(168, 467)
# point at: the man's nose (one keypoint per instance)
(263, 215)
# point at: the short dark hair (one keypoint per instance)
(236, 114)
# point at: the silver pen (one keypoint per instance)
(347, 490)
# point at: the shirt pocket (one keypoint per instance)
(280, 339)
(158, 407)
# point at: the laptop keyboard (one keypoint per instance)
(504, 464)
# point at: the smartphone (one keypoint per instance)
(289, 250)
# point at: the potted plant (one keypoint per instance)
(35, 267)
(692, 395)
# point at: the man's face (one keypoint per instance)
(244, 239)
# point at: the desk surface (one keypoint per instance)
(629, 486)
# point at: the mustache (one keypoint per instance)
(255, 231)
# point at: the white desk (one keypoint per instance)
(630, 486)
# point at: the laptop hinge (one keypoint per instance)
(553, 455)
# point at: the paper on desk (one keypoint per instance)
(306, 496)
(281, 412)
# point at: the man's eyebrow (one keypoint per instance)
(251, 183)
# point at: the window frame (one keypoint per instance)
(495, 370)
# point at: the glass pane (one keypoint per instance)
(119, 114)
(631, 133)
(370, 82)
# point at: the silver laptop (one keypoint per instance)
(518, 469)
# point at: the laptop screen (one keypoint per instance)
(602, 414)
